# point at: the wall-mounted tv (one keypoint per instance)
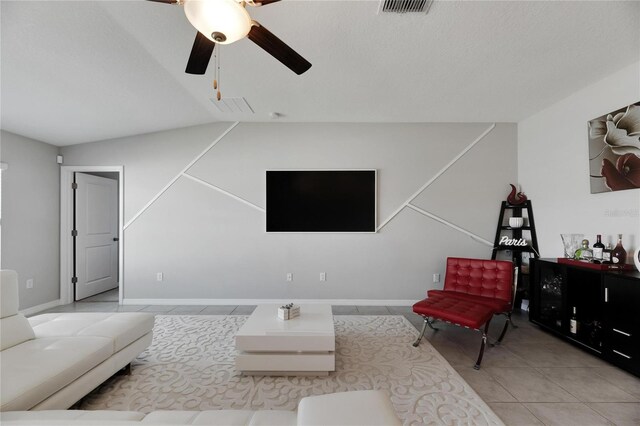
(321, 201)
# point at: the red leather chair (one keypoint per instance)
(474, 291)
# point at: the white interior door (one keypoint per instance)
(96, 223)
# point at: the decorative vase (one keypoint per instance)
(636, 258)
(516, 222)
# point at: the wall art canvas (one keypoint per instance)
(614, 150)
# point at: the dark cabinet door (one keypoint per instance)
(548, 291)
(622, 322)
(607, 307)
(585, 294)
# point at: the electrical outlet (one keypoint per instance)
(289, 276)
(436, 278)
(323, 276)
(159, 276)
(30, 283)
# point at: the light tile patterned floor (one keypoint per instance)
(533, 378)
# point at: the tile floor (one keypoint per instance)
(533, 378)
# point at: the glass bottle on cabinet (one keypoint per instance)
(619, 254)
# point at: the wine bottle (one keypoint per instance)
(584, 252)
(573, 323)
(598, 249)
(606, 255)
(619, 254)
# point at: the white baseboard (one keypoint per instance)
(358, 302)
(39, 308)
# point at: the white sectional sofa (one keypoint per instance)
(358, 408)
(51, 361)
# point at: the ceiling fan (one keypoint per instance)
(227, 21)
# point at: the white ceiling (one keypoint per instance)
(76, 72)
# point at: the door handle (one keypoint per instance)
(116, 239)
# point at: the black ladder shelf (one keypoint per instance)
(516, 233)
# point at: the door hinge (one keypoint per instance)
(74, 280)
(74, 233)
(74, 185)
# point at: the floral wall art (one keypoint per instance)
(614, 150)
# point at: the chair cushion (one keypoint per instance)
(36, 369)
(498, 305)
(455, 310)
(123, 328)
(488, 278)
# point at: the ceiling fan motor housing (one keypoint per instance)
(218, 37)
(221, 21)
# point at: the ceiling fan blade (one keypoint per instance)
(278, 49)
(200, 55)
(166, 1)
(263, 2)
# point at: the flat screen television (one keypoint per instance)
(321, 200)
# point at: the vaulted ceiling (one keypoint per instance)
(82, 71)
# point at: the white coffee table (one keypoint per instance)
(304, 345)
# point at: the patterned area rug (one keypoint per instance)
(190, 366)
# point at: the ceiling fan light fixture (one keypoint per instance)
(221, 21)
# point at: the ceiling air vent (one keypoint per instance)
(232, 105)
(405, 6)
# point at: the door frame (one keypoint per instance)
(66, 226)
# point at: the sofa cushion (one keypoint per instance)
(123, 328)
(365, 408)
(213, 417)
(8, 293)
(103, 418)
(36, 369)
(70, 415)
(14, 330)
(36, 422)
(274, 417)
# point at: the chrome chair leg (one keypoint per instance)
(482, 345)
(504, 331)
(424, 327)
(427, 322)
(510, 320)
(430, 323)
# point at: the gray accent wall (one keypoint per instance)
(210, 245)
(31, 217)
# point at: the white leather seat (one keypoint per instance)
(70, 415)
(359, 408)
(356, 408)
(66, 356)
(223, 417)
(37, 368)
(122, 327)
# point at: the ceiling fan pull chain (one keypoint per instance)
(219, 95)
(215, 61)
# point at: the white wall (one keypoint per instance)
(553, 167)
(31, 217)
(211, 246)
